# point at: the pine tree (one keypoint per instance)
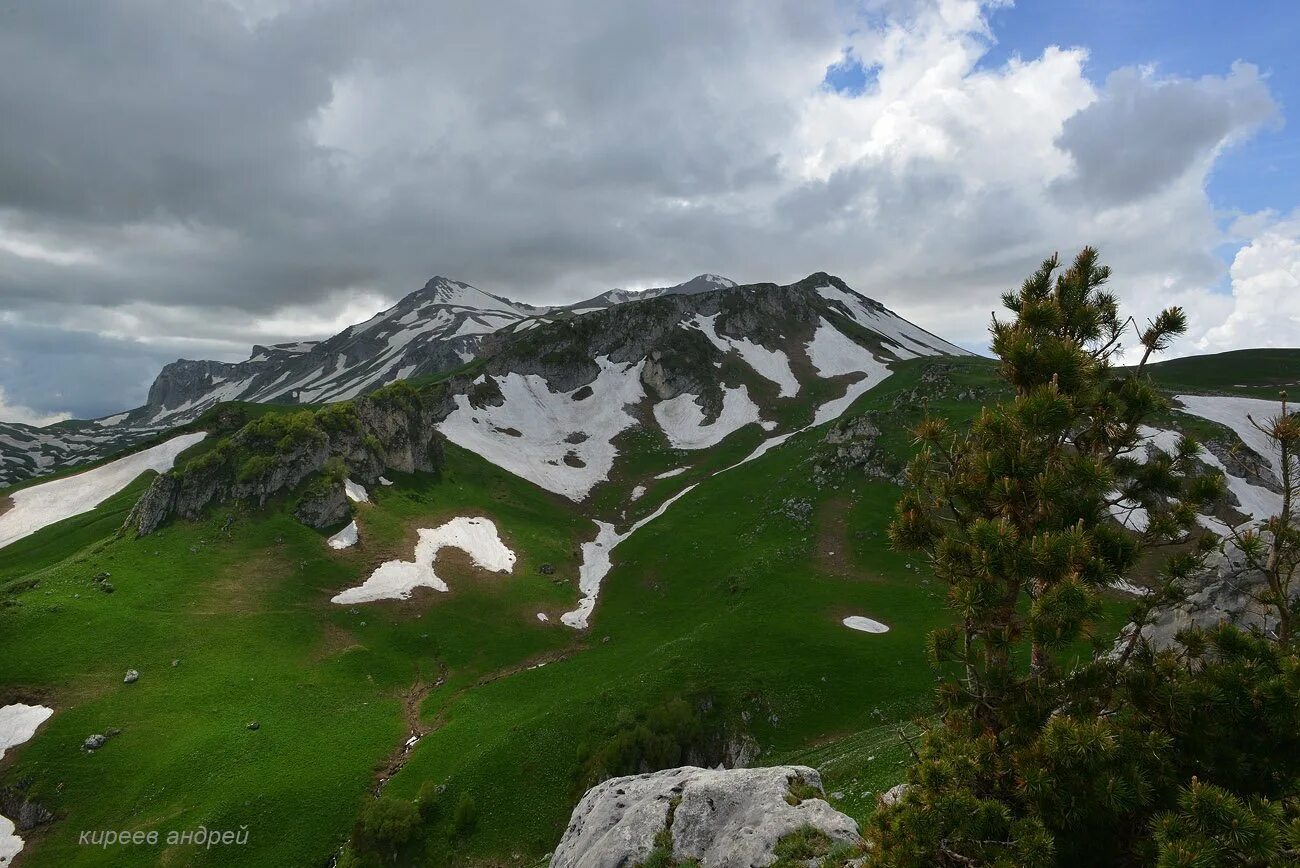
(1026, 759)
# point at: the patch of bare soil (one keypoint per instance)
(832, 545)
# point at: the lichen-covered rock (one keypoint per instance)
(720, 818)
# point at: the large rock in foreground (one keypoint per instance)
(722, 819)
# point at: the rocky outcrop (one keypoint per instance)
(851, 446)
(393, 429)
(25, 813)
(1226, 590)
(720, 818)
(323, 506)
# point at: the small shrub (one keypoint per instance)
(385, 824)
(428, 801)
(255, 466)
(807, 842)
(465, 817)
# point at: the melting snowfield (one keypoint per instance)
(564, 444)
(865, 625)
(394, 580)
(17, 724)
(1253, 500)
(771, 364)
(1234, 412)
(48, 502)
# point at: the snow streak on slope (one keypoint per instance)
(394, 580)
(48, 502)
(771, 364)
(909, 341)
(562, 444)
(596, 562)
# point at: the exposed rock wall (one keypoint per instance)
(393, 429)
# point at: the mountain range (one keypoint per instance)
(434, 330)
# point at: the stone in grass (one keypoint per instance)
(715, 817)
(546, 569)
(131, 677)
(94, 742)
(106, 587)
(254, 726)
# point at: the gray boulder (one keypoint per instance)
(721, 818)
(132, 677)
(1226, 590)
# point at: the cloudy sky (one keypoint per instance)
(189, 178)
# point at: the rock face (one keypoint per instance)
(390, 430)
(722, 819)
(1228, 591)
(324, 507)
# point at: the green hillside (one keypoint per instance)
(719, 625)
(1259, 373)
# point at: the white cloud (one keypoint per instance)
(26, 415)
(1264, 309)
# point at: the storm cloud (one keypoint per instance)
(186, 179)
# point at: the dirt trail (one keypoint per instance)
(832, 545)
(414, 697)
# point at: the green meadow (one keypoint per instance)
(728, 605)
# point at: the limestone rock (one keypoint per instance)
(721, 818)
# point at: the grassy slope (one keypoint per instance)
(246, 613)
(724, 594)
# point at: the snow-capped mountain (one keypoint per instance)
(447, 323)
(552, 405)
(434, 329)
(700, 283)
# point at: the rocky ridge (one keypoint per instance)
(393, 429)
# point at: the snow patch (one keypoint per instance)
(356, 492)
(1234, 412)
(668, 474)
(544, 419)
(1129, 588)
(345, 538)
(18, 723)
(394, 580)
(48, 502)
(865, 625)
(682, 418)
(638, 492)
